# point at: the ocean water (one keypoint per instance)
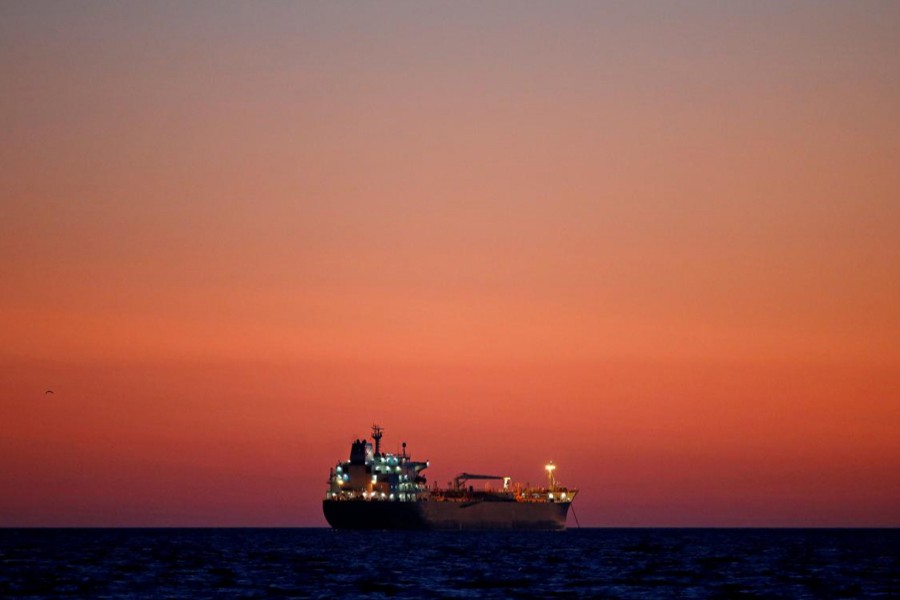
(322, 563)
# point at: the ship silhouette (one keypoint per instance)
(377, 490)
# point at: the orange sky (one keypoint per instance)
(657, 244)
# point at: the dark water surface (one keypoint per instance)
(301, 563)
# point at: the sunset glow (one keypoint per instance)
(656, 243)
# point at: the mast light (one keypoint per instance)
(550, 481)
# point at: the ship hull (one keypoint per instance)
(343, 514)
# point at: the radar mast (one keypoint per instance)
(377, 432)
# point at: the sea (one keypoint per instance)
(324, 563)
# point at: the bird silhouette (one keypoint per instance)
(48, 392)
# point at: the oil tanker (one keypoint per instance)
(379, 490)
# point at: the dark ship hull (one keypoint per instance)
(475, 514)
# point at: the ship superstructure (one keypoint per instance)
(378, 490)
(373, 475)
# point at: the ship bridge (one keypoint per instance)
(371, 474)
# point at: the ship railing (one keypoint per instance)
(537, 495)
(543, 495)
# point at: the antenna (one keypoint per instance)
(377, 432)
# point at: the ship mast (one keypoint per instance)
(377, 432)
(551, 481)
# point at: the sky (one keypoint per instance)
(657, 243)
